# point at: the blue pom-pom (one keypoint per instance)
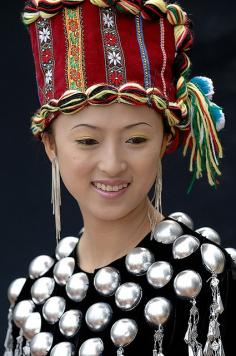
(205, 84)
(218, 116)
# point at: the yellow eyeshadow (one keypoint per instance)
(139, 135)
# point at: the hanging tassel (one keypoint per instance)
(158, 340)
(205, 118)
(214, 346)
(8, 344)
(26, 349)
(19, 344)
(194, 347)
(120, 351)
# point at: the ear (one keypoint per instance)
(165, 140)
(49, 145)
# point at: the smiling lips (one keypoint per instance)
(110, 188)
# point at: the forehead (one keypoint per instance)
(115, 116)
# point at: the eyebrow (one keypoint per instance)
(126, 127)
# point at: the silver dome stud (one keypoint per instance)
(63, 349)
(107, 280)
(15, 289)
(21, 311)
(32, 325)
(66, 246)
(70, 322)
(92, 347)
(139, 260)
(167, 231)
(53, 309)
(42, 289)
(232, 252)
(184, 246)
(210, 234)
(123, 332)
(98, 316)
(128, 295)
(41, 344)
(40, 265)
(183, 218)
(63, 270)
(159, 274)
(77, 286)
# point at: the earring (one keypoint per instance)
(157, 198)
(56, 196)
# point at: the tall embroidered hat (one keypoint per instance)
(129, 51)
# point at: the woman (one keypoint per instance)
(113, 103)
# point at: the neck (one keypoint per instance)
(105, 241)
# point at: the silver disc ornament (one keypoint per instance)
(32, 325)
(77, 286)
(41, 344)
(70, 322)
(210, 234)
(53, 309)
(66, 246)
(123, 332)
(232, 252)
(63, 270)
(159, 274)
(128, 295)
(139, 260)
(184, 246)
(42, 289)
(183, 218)
(188, 284)
(63, 349)
(92, 347)
(98, 316)
(213, 258)
(40, 265)
(15, 289)
(21, 312)
(157, 311)
(167, 231)
(107, 280)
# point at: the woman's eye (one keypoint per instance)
(137, 140)
(87, 141)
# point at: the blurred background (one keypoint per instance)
(27, 223)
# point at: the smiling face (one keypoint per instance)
(108, 156)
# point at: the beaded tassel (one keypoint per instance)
(19, 344)
(158, 339)
(8, 344)
(194, 347)
(120, 351)
(214, 346)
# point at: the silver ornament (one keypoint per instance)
(159, 274)
(183, 218)
(213, 258)
(232, 252)
(157, 311)
(92, 347)
(32, 325)
(63, 270)
(40, 265)
(63, 348)
(98, 316)
(41, 344)
(21, 312)
(42, 289)
(70, 322)
(128, 295)
(188, 284)
(167, 231)
(139, 260)
(66, 246)
(53, 309)
(107, 280)
(184, 246)
(123, 332)
(210, 234)
(77, 286)
(15, 289)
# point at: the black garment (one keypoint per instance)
(175, 328)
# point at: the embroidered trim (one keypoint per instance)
(75, 67)
(164, 56)
(143, 51)
(114, 57)
(45, 44)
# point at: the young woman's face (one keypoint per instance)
(108, 156)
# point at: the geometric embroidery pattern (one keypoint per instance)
(75, 61)
(45, 44)
(114, 57)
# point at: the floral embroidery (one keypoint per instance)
(45, 43)
(114, 57)
(75, 60)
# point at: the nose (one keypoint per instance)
(112, 161)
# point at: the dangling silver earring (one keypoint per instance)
(157, 198)
(56, 196)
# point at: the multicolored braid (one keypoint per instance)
(192, 112)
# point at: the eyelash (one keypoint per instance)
(94, 142)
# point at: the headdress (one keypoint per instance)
(129, 51)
